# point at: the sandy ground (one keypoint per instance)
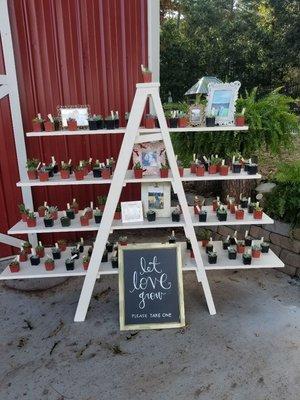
(248, 351)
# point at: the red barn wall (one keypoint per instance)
(70, 52)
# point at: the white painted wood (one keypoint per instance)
(11, 241)
(187, 176)
(153, 16)
(3, 80)
(10, 82)
(4, 91)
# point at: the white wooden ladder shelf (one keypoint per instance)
(143, 91)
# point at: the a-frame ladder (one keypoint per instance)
(143, 91)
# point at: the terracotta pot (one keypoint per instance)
(240, 248)
(54, 215)
(89, 214)
(79, 175)
(65, 173)
(200, 170)
(138, 173)
(41, 212)
(239, 214)
(85, 265)
(27, 250)
(84, 221)
(31, 223)
(117, 215)
(232, 208)
(181, 171)
(72, 125)
(223, 169)
(23, 256)
(49, 126)
(62, 246)
(40, 253)
(105, 173)
(212, 169)
(147, 77)
(193, 168)
(86, 170)
(43, 176)
(204, 242)
(215, 205)
(123, 243)
(150, 123)
(49, 266)
(32, 175)
(257, 214)
(183, 122)
(256, 253)
(164, 173)
(240, 121)
(37, 127)
(24, 217)
(14, 268)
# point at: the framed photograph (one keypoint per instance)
(221, 100)
(80, 113)
(143, 304)
(157, 197)
(132, 211)
(151, 155)
(197, 115)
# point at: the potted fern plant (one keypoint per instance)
(49, 264)
(40, 250)
(31, 220)
(14, 266)
(32, 165)
(86, 262)
(38, 123)
(23, 212)
(64, 170)
(79, 172)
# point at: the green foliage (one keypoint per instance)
(283, 202)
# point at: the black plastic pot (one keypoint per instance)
(70, 213)
(248, 241)
(173, 122)
(175, 217)
(75, 252)
(246, 165)
(110, 124)
(100, 124)
(55, 169)
(69, 265)
(114, 263)
(151, 217)
(212, 258)
(65, 221)
(50, 171)
(232, 254)
(264, 247)
(117, 123)
(98, 218)
(156, 122)
(244, 203)
(34, 260)
(81, 248)
(56, 253)
(250, 208)
(109, 247)
(232, 240)
(105, 256)
(188, 244)
(202, 216)
(97, 172)
(246, 260)
(48, 222)
(172, 240)
(222, 216)
(252, 169)
(209, 248)
(93, 125)
(90, 250)
(225, 244)
(236, 168)
(210, 121)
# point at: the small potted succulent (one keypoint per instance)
(240, 118)
(49, 264)
(98, 215)
(72, 124)
(64, 170)
(32, 165)
(79, 172)
(216, 203)
(226, 243)
(252, 168)
(209, 247)
(183, 120)
(138, 170)
(48, 220)
(243, 201)
(248, 239)
(146, 73)
(43, 174)
(188, 244)
(42, 210)
(212, 257)
(40, 250)
(95, 122)
(109, 122)
(104, 256)
(34, 259)
(23, 211)
(123, 240)
(89, 211)
(236, 165)
(101, 202)
(114, 260)
(56, 253)
(264, 247)
(256, 251)
(53, 211)
(117, 119)
(231, 253)
(75, 206)
(69, 263)
(50, 169)
(233, 238)
(118, 212)
(180, 167)
(222, 213)
(172, 238)
(70, 212)
(193, 164)
(151, 215)
(247, 258)
(85, 262)
(202, 216)
(14, 266)
(149, 121)
(75, 252)
(109, 246)
(210, 120)
(31, 220)
(106, 171)
(49, 124)
(197, 204)
(38, 123)
(57, 122)
(27, 247)
(172, 119)
(213, 165)
(62, 244)
(176, 214)
(200, 169)
(23, 256)
(204, 236)
(251, 206)
(84, 220)
(239, 213)
(97, 169)
(164, 170)
(240, 246)
(258, 211)
(224, 169)
(65, 221)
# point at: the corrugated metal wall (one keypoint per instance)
(70, 52)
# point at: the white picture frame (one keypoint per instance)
(156, 196)
(132, 211)
(221, 101)
(79, 113)
(197, 115)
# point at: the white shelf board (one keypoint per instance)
(141, 130)
(21, 227)
(27, 271)
(90, 180)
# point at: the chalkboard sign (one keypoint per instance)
(150, 286)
